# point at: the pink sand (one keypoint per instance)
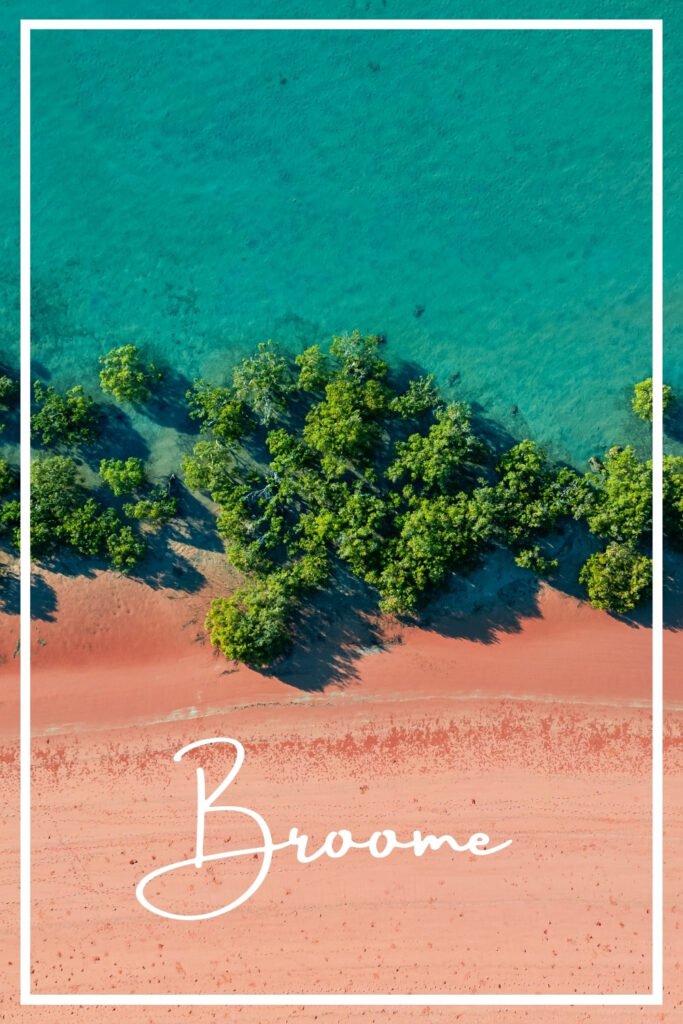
(542, 737)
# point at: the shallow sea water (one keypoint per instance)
(482, 198)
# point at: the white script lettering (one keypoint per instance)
(380, 845)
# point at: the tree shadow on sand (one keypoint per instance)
(673, 590)
(334, 630)
(164, 567)
(481, 607)
(196, 524)
(10, 593)
(43, 599)
(340, 627)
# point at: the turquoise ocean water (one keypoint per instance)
(482, 198)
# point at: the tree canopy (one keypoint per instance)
(617, 578)
(8, 478)
(621, 506)
(252, 625)
(63, 514)
(9, 503)
(9, 395)
(126, 376)
(218, 409)
(123, 476)
(262, 382)
(641, 400)
(158, 508)
(325, 463)
(69, 418)
(432, 461)
(340, 467)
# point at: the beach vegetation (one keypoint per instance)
(9, 391)
(620, 507)
(433, 461)
(358, 356)
(9, 395)
(358, 528)
(125, 548)
(420, 397)
(343, 427)
(617, 578)
(338, 483)
(323, 467)
(532, 559)
(436, 536)
(88, 527)
(532, 495)
(68, 418)
(641, 400)
(219, 410)
(10, 518)
(158, 508)
(8, 478)
(253, 624)
(126, 376)
(262, 383)
(314, 369)
(9, 504)
(64, 515)
(55, 493)
(123, 476)
(210, 467)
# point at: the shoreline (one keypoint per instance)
(152, 661)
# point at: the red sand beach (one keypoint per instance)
(541, 735)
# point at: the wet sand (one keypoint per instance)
(541, 736)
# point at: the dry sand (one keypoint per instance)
(542, 736)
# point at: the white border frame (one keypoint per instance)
(653, 998)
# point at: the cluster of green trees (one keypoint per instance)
(9, 395)
(9, 504)
(64, 513)
(73, 418)
(641, 400)
(325, 461)
(9, 478)
(156, 505)
(126, 376)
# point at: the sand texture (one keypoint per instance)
(541, 735)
